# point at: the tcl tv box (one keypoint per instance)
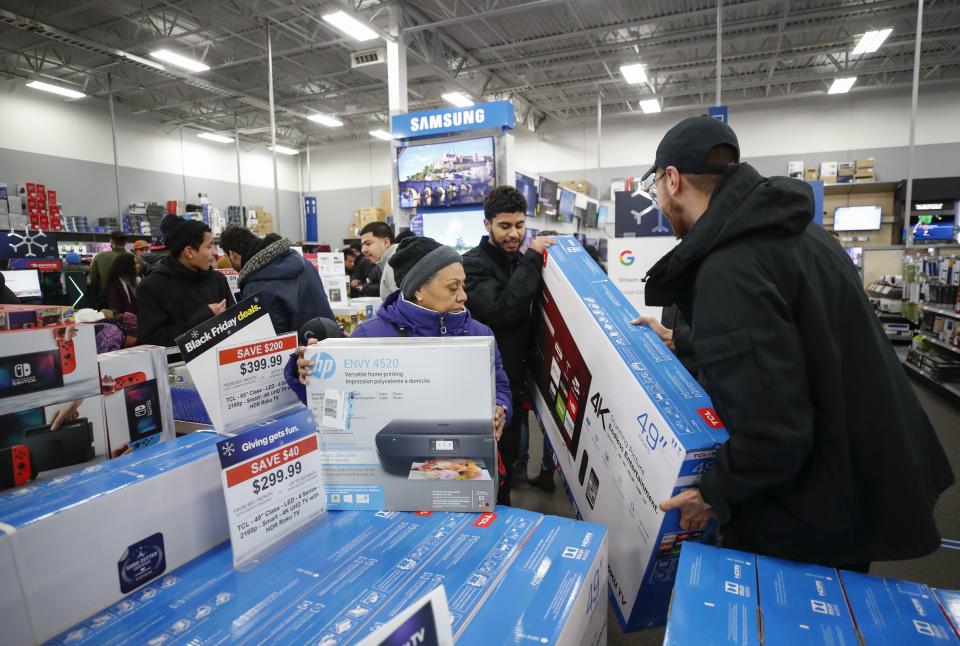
(802, 603)
(891, 612)
(950, 602)
(715, 598)
(406, 424)
(630, 427)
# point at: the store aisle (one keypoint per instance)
(940, 569)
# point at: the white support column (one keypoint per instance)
(236, 143)
(908, 206)
(273, 130)
(719, 46)
(396, 65)
(113, 131)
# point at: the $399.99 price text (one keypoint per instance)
(263, 363)
(277, 476)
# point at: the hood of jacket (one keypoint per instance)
(419, 321)
(744, 204)
(272, 259)
(170, 266)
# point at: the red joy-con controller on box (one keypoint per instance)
(68, 359)
(110, 385)
(15, 466)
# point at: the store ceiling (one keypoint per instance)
(551, 57)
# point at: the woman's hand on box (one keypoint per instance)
(304, 366)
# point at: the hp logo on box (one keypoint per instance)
(326, 366)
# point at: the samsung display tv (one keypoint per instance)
(602, 215)
(528, 187)
(856, 218)
(547, 198)
(566, 205)
(445, 174)
(460, 228)
(590, 215)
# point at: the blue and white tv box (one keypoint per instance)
(83, 540)
(892, 612)
(950, 603)
(629, 425)
(803, 604)
(714, 598)
(507, 573)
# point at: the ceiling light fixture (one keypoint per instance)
(842, 85)
(650, 106)
(220, 139)
(871, 41)
(634, 74)
(326, 120)
(180, 61)
(283, 150)
(458, 99)
(350, 26)
(56, 89)
(381, 134)
(141, 60)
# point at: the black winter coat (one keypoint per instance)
(831, 458)
(501, 289)
(174, 299)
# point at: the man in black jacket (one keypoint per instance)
(502, 285)
(831, 458)
(182, 291)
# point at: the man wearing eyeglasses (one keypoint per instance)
(831, 458)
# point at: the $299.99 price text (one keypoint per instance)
(277, 476)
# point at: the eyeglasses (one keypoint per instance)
(648, 189)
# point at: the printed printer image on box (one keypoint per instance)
(630, 427)
(406, 424)
(47, 365)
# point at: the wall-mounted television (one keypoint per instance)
(933, 226)
(856, 218)
(446, 173)
(566, 205)
(547, 198)
(460, 228)
(590, 215)
(528, 186)
(602, 215)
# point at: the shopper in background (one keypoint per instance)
(122, 286)
(73, 262)
(289, 286)
(141, 248)
(100, 269)
(430, 302)
(377, 240)
(831, 458)
(182, 291)
(503, 285)
(350, 257)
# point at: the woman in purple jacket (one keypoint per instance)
(430, 302)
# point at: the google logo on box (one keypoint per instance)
(627, 258)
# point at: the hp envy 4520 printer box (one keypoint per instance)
(510, 577)
(406, 423)
(630, 427)
(77, 543)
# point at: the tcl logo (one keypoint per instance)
(485, 520)
(545, 256)
(710, 417)
(21, 370)
(424, 514)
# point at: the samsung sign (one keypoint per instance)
(496, 114)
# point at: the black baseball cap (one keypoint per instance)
(686, 146)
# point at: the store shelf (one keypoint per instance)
(856, 189)
(935, 341)
(942, 311)
(950, 391)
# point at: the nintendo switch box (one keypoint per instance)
(136, 398)
(57, 436)
(406, 423)
(20, 317)
(629, 426)
(48, 365)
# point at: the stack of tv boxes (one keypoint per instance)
(728, 597)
